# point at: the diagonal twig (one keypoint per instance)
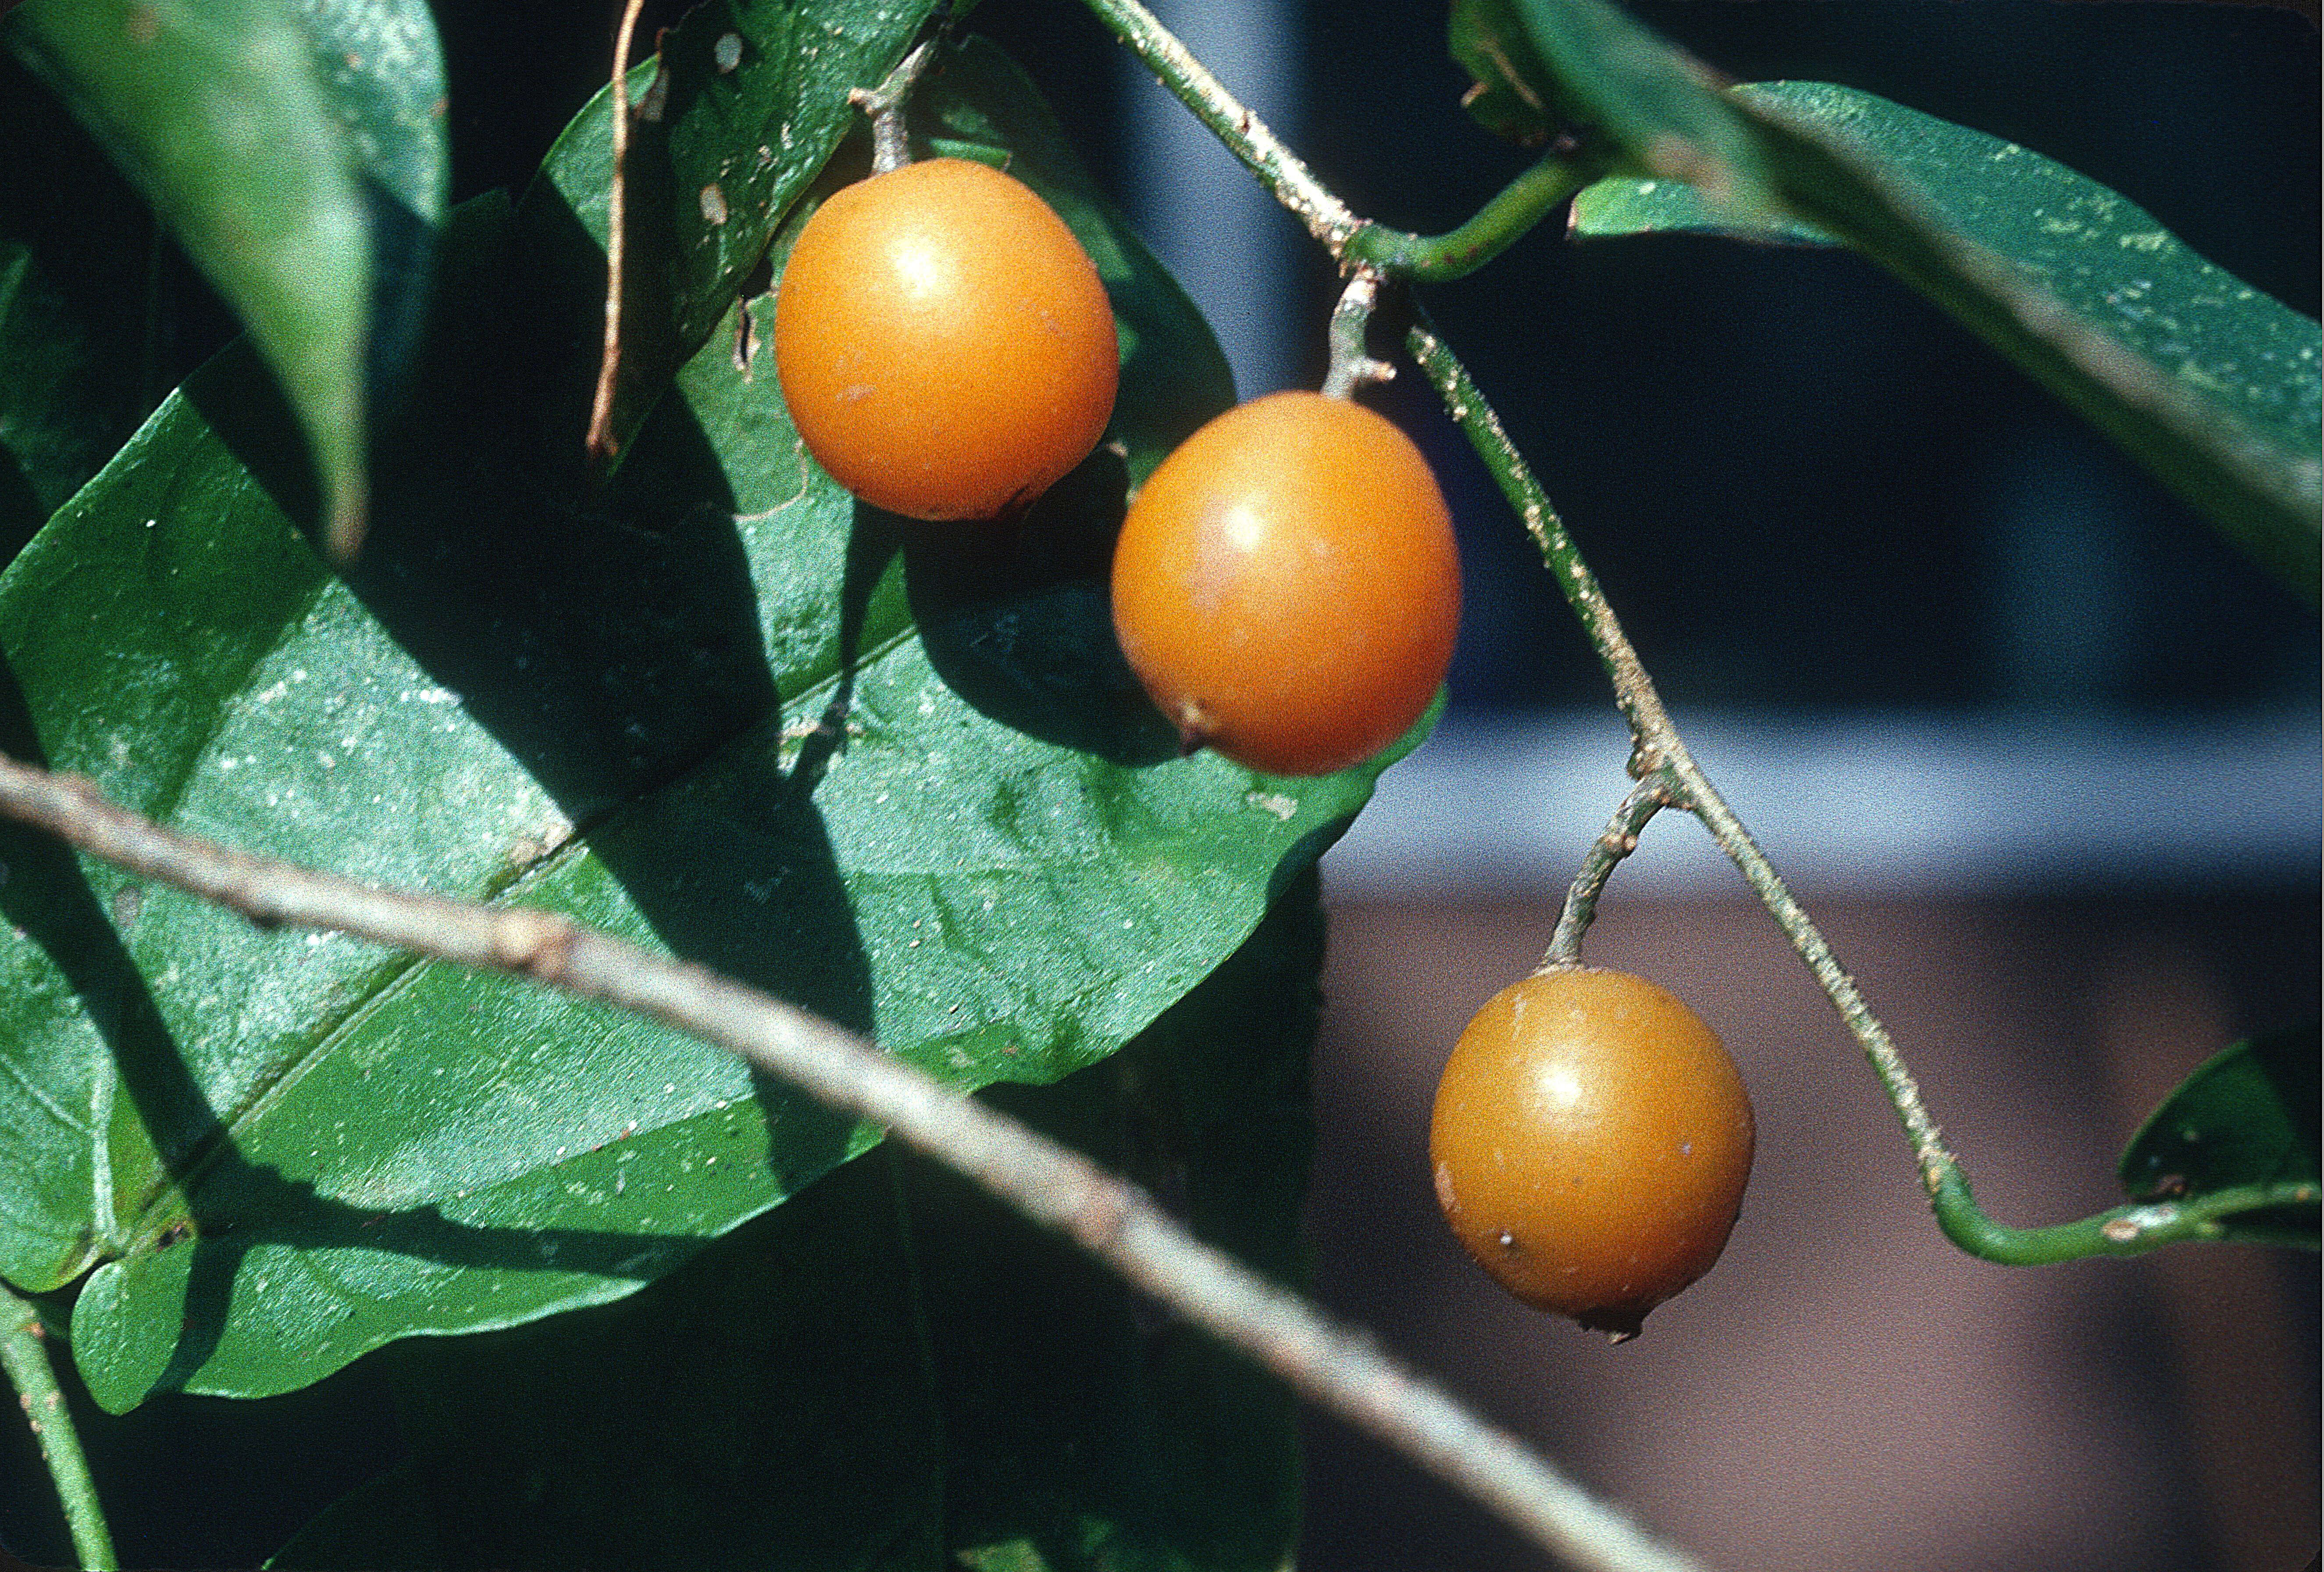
(1335, 1367)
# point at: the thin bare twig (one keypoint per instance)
(1659, 756)
(1332, 1366)
(602, 443)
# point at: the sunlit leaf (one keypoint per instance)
(899, 775)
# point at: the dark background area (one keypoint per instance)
(1806, 491)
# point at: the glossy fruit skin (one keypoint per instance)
(1592, 1139)
(1286, 587)
(944, 344)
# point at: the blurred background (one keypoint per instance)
(2040, 752)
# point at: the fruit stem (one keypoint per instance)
(1504, 219)
(1620, 838)
(1352, 364)
(24, 1355)
(890, 146)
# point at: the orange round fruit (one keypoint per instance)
(1592, 1139)
(1286, 586)
(943, 343)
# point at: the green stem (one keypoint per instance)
(2130, 1229)
(1660, 755)
(1240, 132)
(24, 1355)
(1496, 226)
(1390, 252)
(1620, 839)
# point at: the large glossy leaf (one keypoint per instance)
(214, 109)
(899, 775)
(2208, 384)
(2247, 1116)
(891, 1371)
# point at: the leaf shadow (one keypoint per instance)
(1016, 617)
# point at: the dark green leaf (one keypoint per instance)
(901, 775)
(1084, 1432)
(892, 1365)
(62, 409)
(2208, 383)
(2247, 1116)
(781, 1377)
(2220, 391)
(213, 108)
(1590, 65)
(738, 113)
(1513, 94)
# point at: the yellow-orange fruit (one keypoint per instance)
(1286, 586)
(945, 345)
(1592, 1139)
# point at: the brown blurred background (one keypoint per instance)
(1846, 1390)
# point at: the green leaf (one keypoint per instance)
(2218, 393)
(2209, 385)
(1085, 1432)
(213, 108)
(1590, 64)
(2247, 1117)
(899, 775)
(892, 1365)
(381, 72)
(1513, 94)
(62, 409)
(739, 111)
(768, 1406)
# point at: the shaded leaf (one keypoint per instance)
(2247, 1116)
(782, 1375)
(1512, 93)
(1589, 63)
(62, 409)
(1086, 1432)
(899, 775)
(213, 107)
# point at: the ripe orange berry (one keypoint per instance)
(1592, 1139)
(943, 343)
(1286, 587)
